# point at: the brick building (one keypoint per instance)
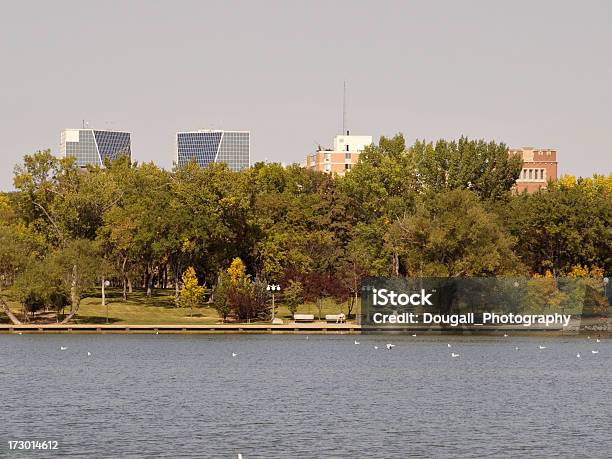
(342, 157)
(539, 167)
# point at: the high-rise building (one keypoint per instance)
(342, 157)
(214, 146)
(539, 167)
(93, 146)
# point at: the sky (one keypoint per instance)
(524, 73)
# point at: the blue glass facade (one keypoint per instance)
(93, 147)
(205, 147)
(112, 144)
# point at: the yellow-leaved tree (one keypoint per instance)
(192, 294)
(237, 272)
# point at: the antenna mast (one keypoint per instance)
(344, 109)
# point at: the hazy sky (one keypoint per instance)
(530, 73)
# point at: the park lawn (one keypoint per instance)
(160, 309)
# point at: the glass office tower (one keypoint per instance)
(208, 146)
(91, 146)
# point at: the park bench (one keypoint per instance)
(338, 318)
(303, 317)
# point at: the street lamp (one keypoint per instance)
(273, 288)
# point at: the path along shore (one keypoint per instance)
(297, 328)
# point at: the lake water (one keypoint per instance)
(288, 396)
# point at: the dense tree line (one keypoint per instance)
(431, 209)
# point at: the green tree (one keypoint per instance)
(451, 234)
(559, 228)
(221, 292)
(485, 168)
(293, 295)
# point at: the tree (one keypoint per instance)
(221, 301)
(41, 285)
(293, 295)
(567, 225)
(79, 267)
(192, 294)
(451, 234)
(485, 168)
(236, 272)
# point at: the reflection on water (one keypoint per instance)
(289, 396)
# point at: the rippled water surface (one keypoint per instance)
(289, 396)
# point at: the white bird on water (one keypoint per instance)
(516, 348)
(63, 348)
(449, 345)
(356, 342)
(234, 354)
(375, 347)
(390, 346)
(454, 355)
(578, 355)
(505, 335)
(594, 352)
(88, 353)
(414, 335)
(541, 347)
(598, 340)
(20, 333)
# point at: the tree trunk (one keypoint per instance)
(103, 291)
(9, 314)
(75, 299)
(130, 288)
(73, 290)
(176, 284)
(69, 317)
(124, 278)
(395, 264)
(148, 277)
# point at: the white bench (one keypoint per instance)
(338, 318)
(303, 317)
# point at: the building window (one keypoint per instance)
(347, 156)
(347, 148)
(347, 167)
(530, 174)
(328, 168)
(327, 157)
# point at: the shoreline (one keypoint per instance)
(322, 328)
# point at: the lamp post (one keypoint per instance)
(273, 288)
(606, 280)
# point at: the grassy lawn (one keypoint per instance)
(160, 309)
